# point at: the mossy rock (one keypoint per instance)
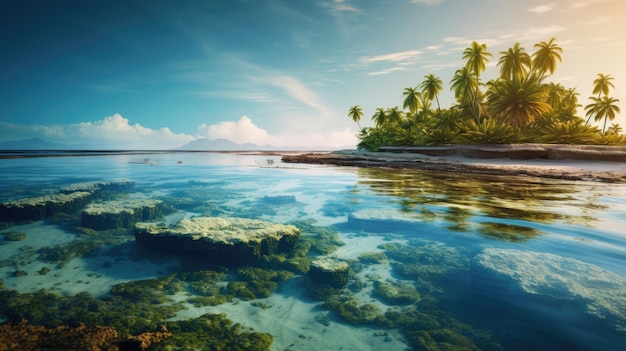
(13, 236)
(396, 293)
(212, 332)
(349, 309)
(373, 257)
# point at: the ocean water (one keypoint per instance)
(438, 261)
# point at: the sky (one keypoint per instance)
(156, 74)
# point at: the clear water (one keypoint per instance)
(500, 262)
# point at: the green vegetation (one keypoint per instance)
(517, 107)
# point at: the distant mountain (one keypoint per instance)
(33, 144)
(228, 145)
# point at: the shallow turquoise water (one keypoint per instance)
(535, 264)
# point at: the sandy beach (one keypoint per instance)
(604, 164)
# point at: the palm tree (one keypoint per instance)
(379, 117)
(518, 102)
(615, 128)
(394, 115)
(544, 59)
(602, 84)
(477, 58)
(514, 63)
(356, 113)
(604, 107)
(412, 99)
(431, 87)
(464, 85)
(601, 87)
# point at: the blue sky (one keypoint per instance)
(158, 74)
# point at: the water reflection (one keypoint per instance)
(462, 200)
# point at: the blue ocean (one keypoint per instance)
(438, 261)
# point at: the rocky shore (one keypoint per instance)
(571, 162)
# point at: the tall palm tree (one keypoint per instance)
(412, 99)
(464, 85)
(514, 63)
(518, 103)
(431, 87)
(544, 59)
(477, 58)
(379, 117)
(604, 107)
(601, 86)
(356, 113)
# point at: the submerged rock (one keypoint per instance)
(331, 272)
(219, 239)
(98, 188)
(121, 214)
(602, 292)
(70, 199)
(40, 207)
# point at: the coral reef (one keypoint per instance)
(27, 337)
(223, 240)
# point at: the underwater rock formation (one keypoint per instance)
(70, 199)
(331, 272)
(385, 220)
(40, 207)
(602, 292)
(224, 240)
(99, 188)
(120, 214)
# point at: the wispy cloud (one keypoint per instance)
(597, 20)
(542, 8)
(386, 71)
(393, 57)
(337, 6)
(297, 90)
(427, 2)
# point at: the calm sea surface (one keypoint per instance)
(438, 261)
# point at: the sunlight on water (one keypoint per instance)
(436, 260)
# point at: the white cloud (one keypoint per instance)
(241, 131)
(542, 8)
(113, 132)
(245, 131)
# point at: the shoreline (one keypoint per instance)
(577, 163)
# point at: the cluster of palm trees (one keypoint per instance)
(518, 106)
